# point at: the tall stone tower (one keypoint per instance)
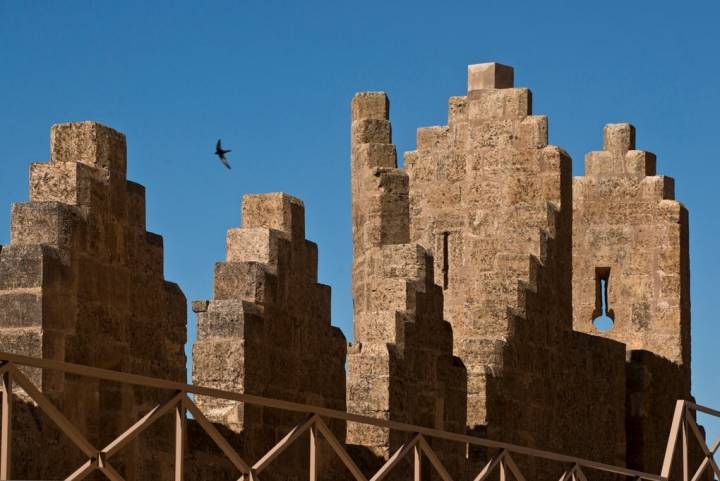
(82, 282)
(630, 260)
(488, 202)
(400, 366)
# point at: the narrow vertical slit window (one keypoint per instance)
(603, 316)
(446, 259)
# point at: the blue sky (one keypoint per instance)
(275, 79)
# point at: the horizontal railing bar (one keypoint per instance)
(703, 409)
(145, 381)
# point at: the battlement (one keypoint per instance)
(480, 270)
(268, 314)
(619, 157)
(483, 76)
(89, 143)
(277, 211)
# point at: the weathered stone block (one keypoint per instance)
(255, 244)
(21, 308)
(374, 155)
(370, 105)
(136, 204)
(490, 76)
(29, 266)
(50, 223)
(89, 143)
(371, 131)
(432, 137)
(619, 138)
(67, 182)
(249, 281)
(275, 211)
(511, 103)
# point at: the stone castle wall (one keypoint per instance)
(267, 330)
(82, 282)
(477, 273)
(489, 201)
(630, 233)
(400, 366)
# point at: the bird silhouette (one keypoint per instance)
(221, 153)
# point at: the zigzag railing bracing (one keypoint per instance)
(179, 403)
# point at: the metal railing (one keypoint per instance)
(417, 445)
(683, 424)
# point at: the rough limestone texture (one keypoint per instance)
(400, 366)
(491, 203)
(630, 240)
(479, 268)
(82, 282)
(267, 330)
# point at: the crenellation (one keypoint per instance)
(482, 272)
(89, 143)
(275, 211)
(485, 76)
(401, 345)
(99, 294)
(267, 329)
(136, 205)
(631, 234)
(619, 138)
(491, 104)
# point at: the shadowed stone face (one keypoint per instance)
(631, 236)
(82, 281)
(491, 204)
(267, 331)
(478, 270)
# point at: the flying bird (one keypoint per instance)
(221, 153)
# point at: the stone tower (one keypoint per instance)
(267, 329)
(400, 366)
(489, 204)
(630, 251)
(82, 282)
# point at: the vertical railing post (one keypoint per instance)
(675, 428)
(417, 465)
(180, 426)
(685, 461)
(6, 427)
(313, 454)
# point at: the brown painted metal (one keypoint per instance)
(683, 421)
(490, 466)
(672, 438)
(283, 444)
(313, 454)
(145, 422)
(434, 460)
(180, 435)
(339, 450)
(136, 380)
(396, 458)
(417, 463)
(6, 425)
(217, 438)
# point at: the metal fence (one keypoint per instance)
(417, 446)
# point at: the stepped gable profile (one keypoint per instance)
(267, 329)
(480, 270)
(631, 248)
(491, 203)
(82, 281)
(400, 366)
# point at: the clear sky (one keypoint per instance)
(274, 80)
